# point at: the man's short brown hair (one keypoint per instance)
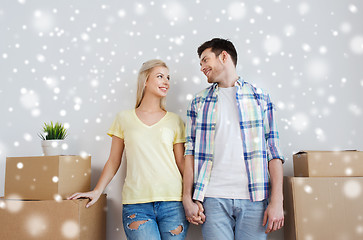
(219, 45)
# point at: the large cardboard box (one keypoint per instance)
(50, 219)
(46, 177)
(328, 164)
(323, 208)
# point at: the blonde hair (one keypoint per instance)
(144, 74)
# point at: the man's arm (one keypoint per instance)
(274, 213)
(271, 132)
(193, 211)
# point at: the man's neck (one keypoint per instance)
(228, 80)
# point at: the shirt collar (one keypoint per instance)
(239, 83)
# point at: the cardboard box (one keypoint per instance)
(46, 177)
(328, 164)
(49, 219)
(323, 208)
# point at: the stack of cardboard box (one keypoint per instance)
(324, 199)
(34, 206)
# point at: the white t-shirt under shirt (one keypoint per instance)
(229, 177)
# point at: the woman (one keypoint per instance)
(154, 143)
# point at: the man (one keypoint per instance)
(233, 163)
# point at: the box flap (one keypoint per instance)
(323, 151)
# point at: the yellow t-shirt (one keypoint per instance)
(152, 173)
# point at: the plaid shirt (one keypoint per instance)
(258, 130)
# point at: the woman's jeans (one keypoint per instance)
(155, 221)
(229, 219)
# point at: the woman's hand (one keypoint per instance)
(194, 212)
(92, 195)
(109, 170)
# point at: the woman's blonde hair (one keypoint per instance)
(144, 74)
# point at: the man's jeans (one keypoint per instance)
(229, 219)
(159, 220)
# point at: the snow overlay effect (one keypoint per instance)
(76, 62)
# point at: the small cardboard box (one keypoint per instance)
(46, 177)
(50, 219)
(323, 208)
(328, 164)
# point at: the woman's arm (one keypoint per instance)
(179, 156)
(109, 170)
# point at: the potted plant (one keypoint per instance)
(52, 138)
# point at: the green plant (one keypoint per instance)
(53, 131)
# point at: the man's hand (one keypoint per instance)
(201, 211)
(274, 216)
(274, 213)
(194, 211)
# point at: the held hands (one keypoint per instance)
(92, 195)
(194, 211)
(274, 215)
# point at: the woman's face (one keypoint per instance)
(158, 82)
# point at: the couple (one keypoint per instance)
(223, 179)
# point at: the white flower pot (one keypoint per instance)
(52, 147)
